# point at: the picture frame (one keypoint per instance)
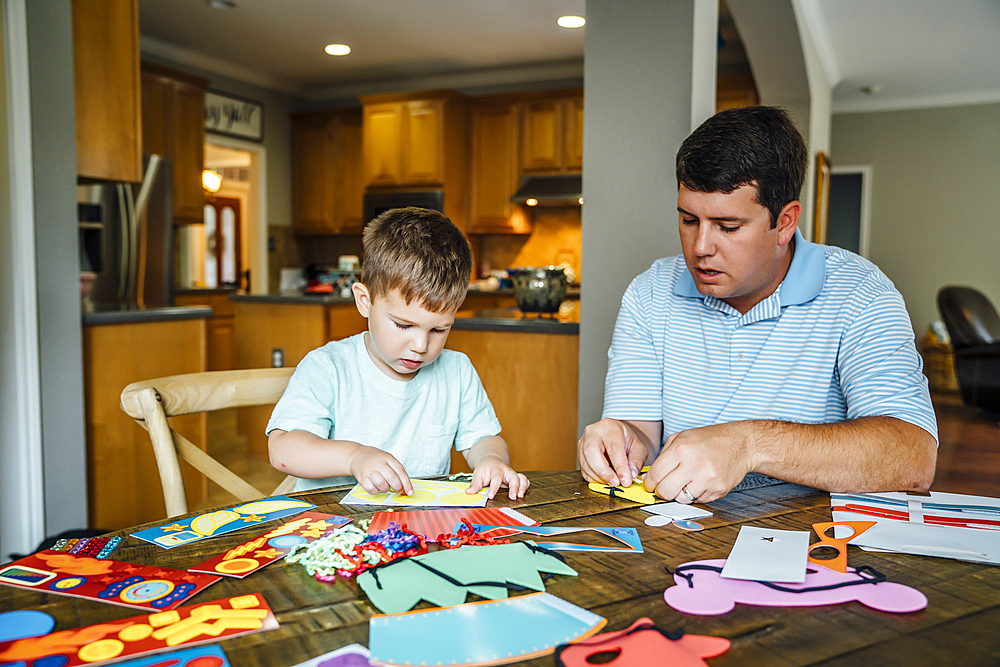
(821, 218)
(234, 116)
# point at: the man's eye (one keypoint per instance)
(728, 230)
(686, 221)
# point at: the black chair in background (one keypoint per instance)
(974, 328)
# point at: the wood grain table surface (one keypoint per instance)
(959, 626)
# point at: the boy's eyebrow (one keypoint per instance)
(721, 218)
(403, 320)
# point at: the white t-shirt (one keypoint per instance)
(337, 392)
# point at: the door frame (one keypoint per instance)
(256, 239)
(22, 493)
(864, 231)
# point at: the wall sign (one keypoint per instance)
(234, 116)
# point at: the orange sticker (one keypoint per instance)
(839, 562)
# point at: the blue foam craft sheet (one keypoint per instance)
(480, 633)
(24, 623)
(219, 522)
(629, 537)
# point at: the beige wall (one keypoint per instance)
(935, 217)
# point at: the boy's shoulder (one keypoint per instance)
(336, 350)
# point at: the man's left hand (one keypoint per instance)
(705, 462)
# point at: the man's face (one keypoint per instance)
(729, 246)
(402, 338)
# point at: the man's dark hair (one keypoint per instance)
(757, 146)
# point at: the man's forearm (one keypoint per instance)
(865, 455)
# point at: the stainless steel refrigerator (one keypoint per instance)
(126, 237)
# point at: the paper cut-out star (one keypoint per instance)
(266, 553)
(318, 525)
(175, 526)
(253, 517)
(312, 533)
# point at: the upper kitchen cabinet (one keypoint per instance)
(413, 139)
(173, 124)
(552, 134)
(494, 169)
(326, 172)
(106, 76)
(738, 90)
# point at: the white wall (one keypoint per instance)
(935, 216)
(638, 81)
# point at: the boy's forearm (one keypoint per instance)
(490, 446)
(309, 456)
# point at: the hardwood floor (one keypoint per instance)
(969, 451)
(968, 457)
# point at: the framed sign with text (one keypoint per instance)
(234, 116)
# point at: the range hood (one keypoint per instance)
(559, 189)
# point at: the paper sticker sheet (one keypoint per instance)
(431, 523)
(199, 656)
(111, 581)
(143, 635)
(245, 559)
(629, 537)
(219, 522)
(426, 493)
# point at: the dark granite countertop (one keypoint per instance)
(513, 320)
(116, 313)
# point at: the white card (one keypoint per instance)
(765, 554)
(677, 511)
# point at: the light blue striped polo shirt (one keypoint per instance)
(832, 343)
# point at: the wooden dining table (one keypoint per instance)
(959, 625)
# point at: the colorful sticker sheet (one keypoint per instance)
(480, 633)
(426, 493)
(627, 536)
(252, 555)
(220, 522)
(140, 586)
(199, 656)
(98, 547)
(143, 635)
(431, 523)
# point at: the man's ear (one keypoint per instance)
(362, 299)
(788, 221)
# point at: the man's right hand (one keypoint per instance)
(613, 452)
(378, 471)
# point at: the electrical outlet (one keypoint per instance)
(277, 357)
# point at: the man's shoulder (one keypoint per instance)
(852, 275)
(662, 274)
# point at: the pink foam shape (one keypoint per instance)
(712, 595)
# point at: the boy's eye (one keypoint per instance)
(402, 326)
(438, 331)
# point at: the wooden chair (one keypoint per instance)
(150, 402)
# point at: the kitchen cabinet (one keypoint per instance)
(107, 90)
(494, 170)
(173, 124)
(327, 183)
(552, 134)
(122, 478)
(738, 90)
(220, 335)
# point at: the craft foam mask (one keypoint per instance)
(700, 590)
(643, 644)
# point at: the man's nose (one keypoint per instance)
(704, 244)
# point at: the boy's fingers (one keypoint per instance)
(475, 485)
(495, 486)
(399, 479)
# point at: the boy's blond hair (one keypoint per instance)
(421, 254)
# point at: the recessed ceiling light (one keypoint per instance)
(337, 49)
(221, 4)
(571, 21)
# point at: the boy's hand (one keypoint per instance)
(494, 473)
(378, 472)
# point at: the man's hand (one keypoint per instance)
(495, 473)
(378, 471)
(613, 452)
(707, 462)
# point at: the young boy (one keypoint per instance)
(389, 403)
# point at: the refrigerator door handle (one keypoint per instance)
(123, 256)
(135, 283)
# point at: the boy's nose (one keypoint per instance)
(418, 343)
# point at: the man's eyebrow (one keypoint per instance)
(722, 218)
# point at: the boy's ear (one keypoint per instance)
(362, 299)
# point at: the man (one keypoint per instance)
(758, 351)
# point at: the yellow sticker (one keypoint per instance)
(267, 506)
(237, 566)
(102, 649)
(163, 618)
(135, 633)
(244, 602)
(206, 524)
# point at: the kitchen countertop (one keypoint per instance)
(117, 313)
(514, 321)
(305, 299)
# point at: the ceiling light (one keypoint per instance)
(221, 4)
(571, 21)
(337, 49)
(531, 202)
(211, 180)
(581, 201)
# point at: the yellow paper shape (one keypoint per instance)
(206, 524)
(636, 492)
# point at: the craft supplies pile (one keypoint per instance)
(469, 568)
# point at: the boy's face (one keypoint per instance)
(402, 338)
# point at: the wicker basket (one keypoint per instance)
(939, 364)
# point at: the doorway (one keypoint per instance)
(223, 247)
(850, 208)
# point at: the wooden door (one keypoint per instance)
(573, 112)
(494, 170)
(542, 137)
(189, 151)
(423, 142)
(313, 162)
(383, 134)
(223, 220)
